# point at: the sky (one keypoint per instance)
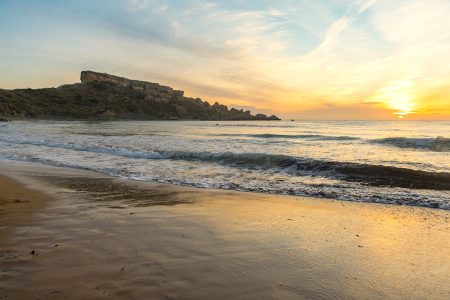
(301, 59)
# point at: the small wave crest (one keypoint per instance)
(253, 125)
(435, 144)
(294, 136)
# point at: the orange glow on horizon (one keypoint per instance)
(398, 96)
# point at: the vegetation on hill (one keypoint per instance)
(106, 100)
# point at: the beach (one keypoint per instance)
(190, 150)
(74, 234)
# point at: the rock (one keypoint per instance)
(101, 96)
(273, 118)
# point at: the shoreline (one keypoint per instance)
(7, 120)
(386, 201)
(100, 237)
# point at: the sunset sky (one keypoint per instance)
(304, 59)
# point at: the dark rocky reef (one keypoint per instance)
(102, 96)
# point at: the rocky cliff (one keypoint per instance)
(153, 89)
(101, 96)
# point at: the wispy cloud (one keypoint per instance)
(364, 5)
(289, 56)
(135, 5)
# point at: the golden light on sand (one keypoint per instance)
(398, 96)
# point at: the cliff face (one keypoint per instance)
(106, 97)
(153, 89)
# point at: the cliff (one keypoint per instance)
(101, 96)
(153, 89)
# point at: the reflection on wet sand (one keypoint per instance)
(121, 192)
(185, 243)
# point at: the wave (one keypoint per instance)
(435, 144)
(293, 136)
(107, 134)
(373, 175)
(357, 193)
(252, 125)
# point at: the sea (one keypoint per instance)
(398, 162)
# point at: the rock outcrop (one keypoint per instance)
(101, 96)
(153, 89)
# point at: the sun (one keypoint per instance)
(399, 97)
(402, 103)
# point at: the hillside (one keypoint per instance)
(102, 96)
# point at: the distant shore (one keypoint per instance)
(100, 96)
(122, 120)
(90, 236)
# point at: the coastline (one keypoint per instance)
(7, 120)
(122, 239)
(115, 98)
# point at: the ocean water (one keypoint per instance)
(401, 162)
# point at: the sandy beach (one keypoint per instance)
(246, 149)
(71, 234)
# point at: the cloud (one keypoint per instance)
(330, 40)
(287, 56)
(333, 111)
(135, 5)
(364, 5)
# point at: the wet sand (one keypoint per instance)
(90, 236)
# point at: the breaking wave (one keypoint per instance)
(253, 125)
(435, 144)
(373, 175)
(295, 136)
